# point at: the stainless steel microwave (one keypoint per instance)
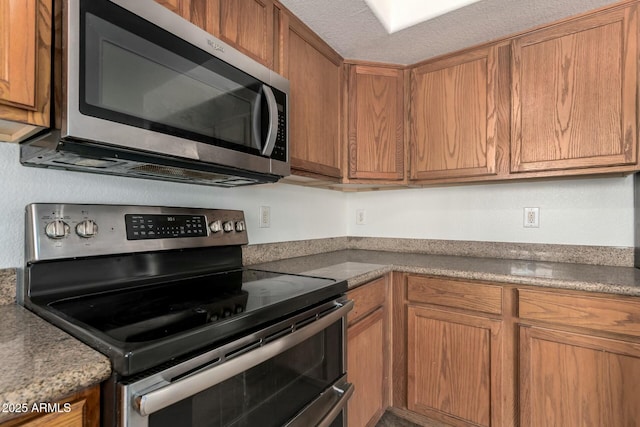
(146, 93)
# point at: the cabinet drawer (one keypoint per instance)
(456, 294)
(367, 298)
(608, 314)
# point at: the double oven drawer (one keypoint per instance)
(289, 374)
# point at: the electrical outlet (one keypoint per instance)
(531, 217)
(265, 216)
(361, 217)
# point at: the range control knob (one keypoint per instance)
(228, 226)
(57, 229)
(215, 226)
(87, 228)
(240, 226)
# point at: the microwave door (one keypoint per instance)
(148, 83)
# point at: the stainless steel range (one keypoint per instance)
(194, 338)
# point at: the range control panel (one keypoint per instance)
(56, 231)
(165, 226)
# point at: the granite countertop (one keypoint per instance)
(361, 266)
(41, 363)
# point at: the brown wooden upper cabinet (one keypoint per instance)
(574, 91)
(247, 25)
(314, 71)
(181, 7)
(453, 119)
(376, 122)
(25, 67)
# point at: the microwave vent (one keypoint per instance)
(189, 175)
(177, 172)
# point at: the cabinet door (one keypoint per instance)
(574, 94)
(314, 73)
(180, 7)
(248, 26)
(366, 367)
(367, 363)
(568, 379)
(376, 123)
(203, 13)
(25, 64)
(454, 367)
(453, 119)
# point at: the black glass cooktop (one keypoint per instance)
(154, 312)
(138, 327)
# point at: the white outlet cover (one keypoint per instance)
(531, 218)
(265, 217)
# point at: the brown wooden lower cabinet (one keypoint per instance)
(569, 379)
(367, 353)
(454, 364)
(469, 353)
(79, 410)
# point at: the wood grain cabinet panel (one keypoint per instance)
(248, 26)
(25, 66)
(368, 353)
(376, 122)
(314, 71)
(568, 379)
(179, 7)
(79, 410)
(367, 298)
(366, 366)
(203, 13)
(574, 94)
(175, 6)
(456, 294)
(453, 119)
(608, 314)
(454, 365)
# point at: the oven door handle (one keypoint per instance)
(326, 407)
(155, 400)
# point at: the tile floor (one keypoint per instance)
(391, 420)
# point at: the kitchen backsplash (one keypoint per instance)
(267, 252)
(7, 286)
(596, 255)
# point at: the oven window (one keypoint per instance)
(269, 394)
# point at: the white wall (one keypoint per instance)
(595, 211)
(297, 213)
(578, 211)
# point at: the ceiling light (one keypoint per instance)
(396, 15)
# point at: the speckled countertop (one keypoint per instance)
(360, 266)
(40, 363)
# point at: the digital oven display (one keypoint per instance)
(141, 227)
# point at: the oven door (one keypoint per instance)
(290, 374)
(134, 83)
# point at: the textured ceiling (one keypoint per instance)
(353, 31)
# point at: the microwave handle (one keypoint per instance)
(272, 132)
